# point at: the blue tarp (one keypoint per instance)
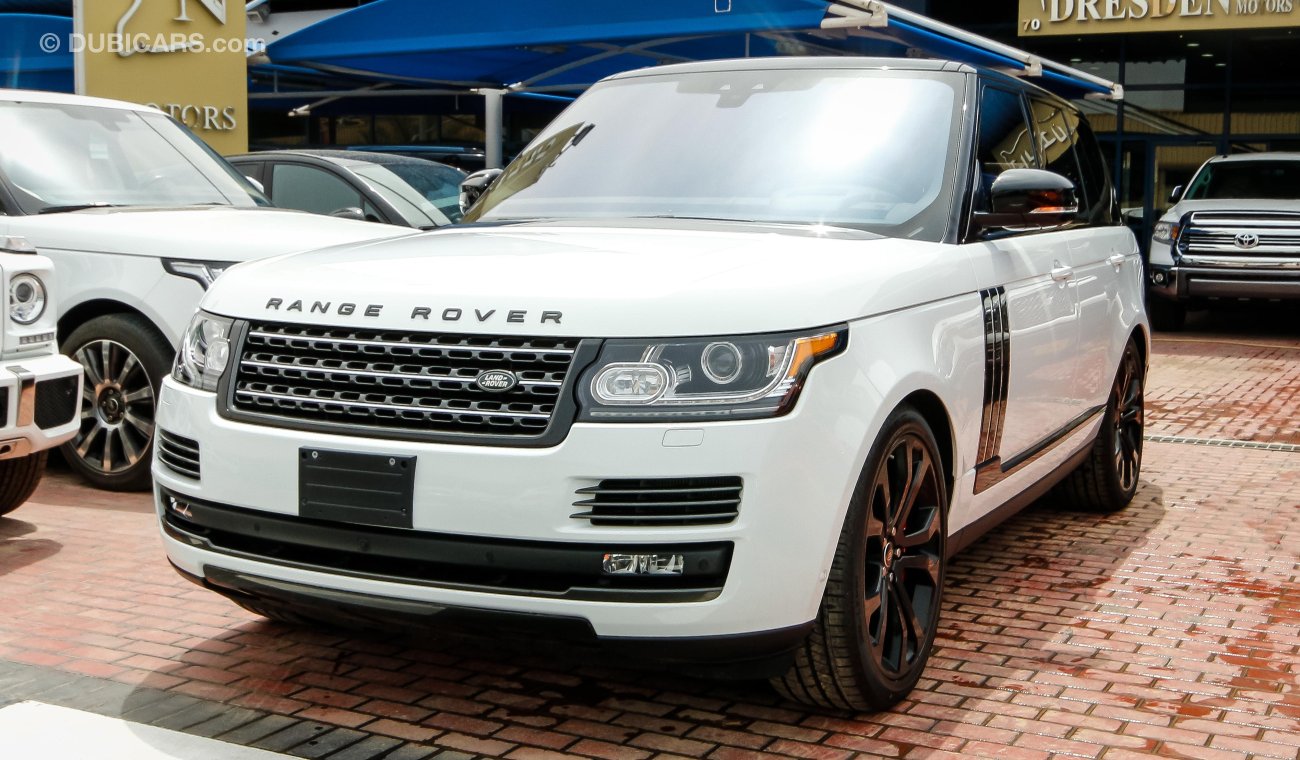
(35, 52)
(568, 45)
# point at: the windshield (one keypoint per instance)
(61, 157)
(870, 150)
(1273, 180)
(440, 185)
(414, 207)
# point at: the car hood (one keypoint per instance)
(213, 233)
(643, 279)
(1231, 204)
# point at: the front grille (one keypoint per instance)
(568, 570)
(400, 383)
(661, 502)
(179, 454)
(56, 402)
(1274, 234)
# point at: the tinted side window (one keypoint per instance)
(1096, 178)
(1004, 140)
(308, 189)
(1056, 143)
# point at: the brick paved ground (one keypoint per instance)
(1171, 629)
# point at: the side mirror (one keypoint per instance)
(350, 212)
(260, 188)
(1027, 199)
(473, 186)
(1176, 194)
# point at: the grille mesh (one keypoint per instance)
(180, 454)
(1274, 234)
(400, 381)
(56, 402)
(661, 502)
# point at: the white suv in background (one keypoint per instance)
(39, 387)
(1233, 234)
(139, 216)
(725, 366)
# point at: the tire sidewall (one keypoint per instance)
(141, 338)
(882, 686)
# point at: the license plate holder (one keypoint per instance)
(366, 489)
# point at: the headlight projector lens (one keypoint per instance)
(721, 362)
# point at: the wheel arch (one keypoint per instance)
(100, 307)
(932, 409)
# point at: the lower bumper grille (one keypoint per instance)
(661, 502)
(179, 454)
(56, 401)
(527, 568)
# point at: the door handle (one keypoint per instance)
(1061, 274)
(1116, 260)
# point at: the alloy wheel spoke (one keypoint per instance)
(105, 359)
(88, 365)
(927, 532)
(912, 629)
(127, 366)
(106, 460)
(918, 467)
(89, 439)
(129, 448)
(921, 562)
(144, 426)
(139, 394)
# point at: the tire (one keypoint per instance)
(1166, 315)
(18, 478)
(125, 359)
(1108, 478)
(861, 653)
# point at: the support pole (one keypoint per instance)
(492, 132)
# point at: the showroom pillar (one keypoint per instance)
(492, 132)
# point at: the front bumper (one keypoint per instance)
(39, 400)
(1184, 283)
(478, 507)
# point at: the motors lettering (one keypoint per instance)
(426, 313)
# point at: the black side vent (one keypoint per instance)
(661, 502)
(4, 407)
(56, 402)
(179, 454)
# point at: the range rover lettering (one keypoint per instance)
(825, 321)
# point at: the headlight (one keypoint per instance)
(703, 378)
(203, 272)
(204, 351)
(1165, 232)
(26, 298)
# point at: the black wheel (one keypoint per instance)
(124, 359)
(18, 478)
(880, 609)
(1166, 315)
(1108, 478)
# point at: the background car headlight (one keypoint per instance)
(740, 377)
(26, 298)
(204, 351)
(1165, 232)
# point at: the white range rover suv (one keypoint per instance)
(40, 388)
(139, 216)
(725, 366)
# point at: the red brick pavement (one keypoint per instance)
(1170, 629)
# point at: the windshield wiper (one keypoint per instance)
(78, 207)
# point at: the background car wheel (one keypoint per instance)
(1166, 316)
(124, 359)
(880, 609)
(18, 478)
(1108, 478)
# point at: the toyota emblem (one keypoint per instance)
(496, 380)
(1247, 240)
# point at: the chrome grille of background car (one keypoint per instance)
(1216, 233)
(399, 381)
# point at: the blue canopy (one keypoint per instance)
(35, 52)
(535, 45)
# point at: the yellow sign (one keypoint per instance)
(185, 57)
(1044, 17)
